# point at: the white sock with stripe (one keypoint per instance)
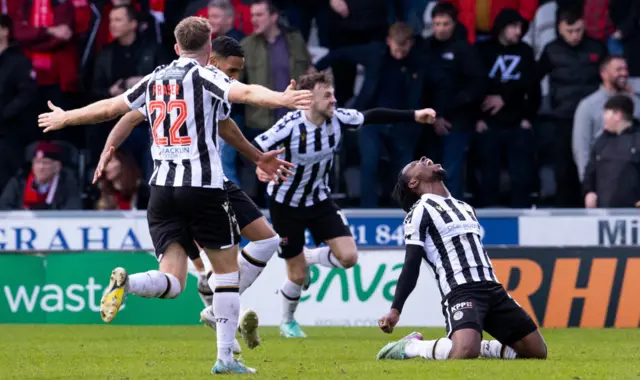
(226, 307)
(321, 256)
(290, 298)
(437, 349)
(154, 284)
(253, 259)
(493, 349)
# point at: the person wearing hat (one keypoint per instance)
(46, 187)
(507, 112)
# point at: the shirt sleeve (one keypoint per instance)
(224, 111)
(274, 136)
(216, 83)
(350, 118)
(136, 95)
(415, 226)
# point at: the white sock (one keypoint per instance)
(291, 297)
(438, 349)
(495, 350)
(253, 259)
(321, 256)
(226, 308)
(154, 284)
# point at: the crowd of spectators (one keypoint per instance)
(537, 101)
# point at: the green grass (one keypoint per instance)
(137, 352)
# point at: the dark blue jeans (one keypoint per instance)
(400, 141)
(454, 153)
(518, 146)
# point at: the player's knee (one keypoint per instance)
(348, 260)
(540, 352)
(270, 244)
(297, 276)
(465, 350)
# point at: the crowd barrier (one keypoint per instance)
(567, 268)
(372, 229)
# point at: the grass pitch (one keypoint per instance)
(141, 352)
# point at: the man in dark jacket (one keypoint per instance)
(397, 75)
(462, 65)
(120, 65)
(512, 101)
(612, 176)
(572, 62)
(48, 186)
(18, 90)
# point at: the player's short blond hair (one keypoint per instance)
(193, 33)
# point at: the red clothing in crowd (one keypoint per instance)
(243, 16)
(596, 19)
(467, 12)
(55, 61)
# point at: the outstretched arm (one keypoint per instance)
(123, 129)
(229, 131)
(263, 97)
(353, 119)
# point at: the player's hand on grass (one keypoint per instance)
(105, 157)
(388, 322)
(425, 116)
(296, 99)
(52, 121)
(272, 165)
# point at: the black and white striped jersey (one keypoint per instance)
(449, 232)
(183, 102)
(312, 149)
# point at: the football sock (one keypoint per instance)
(322, 256)
(226, 307)
(204, 290)
(291, 297)
(253, 259)
(496, 350)
(437, 349)
(154, 284)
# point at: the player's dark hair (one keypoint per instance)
(309, 81)
(622, 104)
(608, 59)
(569, 14)
(402, 194)
(445, 9)
(130, 10)
(226, 47)
(271, 7)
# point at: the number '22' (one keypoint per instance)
(165, 108)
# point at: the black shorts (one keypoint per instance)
(244, 208)
(185, 214)
(324, 220)
(486, 306)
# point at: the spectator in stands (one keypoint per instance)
(396, 76)
(511, 104)
(588, 120)
(612, 176)
(478, 15)
(572, 62)
(17, 91)
(274, 56)
(597, 22)
(462, 65)
(354, 22)
(301, 13)
(121, 187)
(242, 18)
(48, 186)
(44, 30)
(120, 65)
(221, 16)
(625, 15)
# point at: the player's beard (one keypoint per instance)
(439, 175)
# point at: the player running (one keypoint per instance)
(445, 233)
(310, 139)
(188, 201)
(228, 57)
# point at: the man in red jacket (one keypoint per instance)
(478, 15)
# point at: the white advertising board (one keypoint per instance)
(356, 297)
